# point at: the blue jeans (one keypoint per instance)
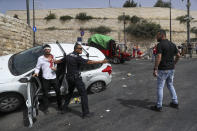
(165, 76)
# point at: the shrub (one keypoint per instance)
(83, 17)
(50, 17)
(105, 18)
(65, 18)
(134, 19)
(182, 19)
(194, 30)
(82, 28)
(16, 16)
(121, 17)
(143, 29)
(51, 28)
(100, 30)
(130, 3)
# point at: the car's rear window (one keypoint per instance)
(24, 61)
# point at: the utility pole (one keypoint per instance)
(188, 28)
(27, 6)
(34, 34)
(170, 21)
(124, 27)
(109, 3)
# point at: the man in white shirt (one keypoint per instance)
(46, 63)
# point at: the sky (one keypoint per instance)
(55, 4)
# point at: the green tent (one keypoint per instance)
(99, 40)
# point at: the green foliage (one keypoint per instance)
(161, 3)
(65, 18)
(130, 3)
(16, 16)
(135, 19)
(100, 30)
(83, 17)
(182, 19)
(50, 17)
(121, 17)
(143, 29)
(194, 30)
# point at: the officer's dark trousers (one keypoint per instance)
(46, 86)
(77, 83)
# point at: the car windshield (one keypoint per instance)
(24, 61)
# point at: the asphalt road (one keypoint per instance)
(125, 104)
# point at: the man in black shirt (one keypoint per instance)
(164, 69)
(73, 62)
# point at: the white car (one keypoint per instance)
(13, 93)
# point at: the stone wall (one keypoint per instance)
(69, 31)
(15, 35)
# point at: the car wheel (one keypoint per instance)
(10, 102)
(96, 87)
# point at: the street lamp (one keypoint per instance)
(34, 28)
(170, 21)
(27, 6)
(188, 18)
(188, 27)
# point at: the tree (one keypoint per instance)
(143, 29)
(161, 3)
(130, 3)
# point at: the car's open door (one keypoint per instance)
(33, 88)
(61, 70)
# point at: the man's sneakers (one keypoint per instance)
(155, 108)
(88, 115)
(159, 109)
(173, 105)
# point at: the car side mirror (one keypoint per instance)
(23, 80)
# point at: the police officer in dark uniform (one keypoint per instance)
(73, 62)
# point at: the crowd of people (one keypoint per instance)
(162, 54)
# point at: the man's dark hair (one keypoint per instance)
(162, 32)
(46, 46)
(76, 45)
